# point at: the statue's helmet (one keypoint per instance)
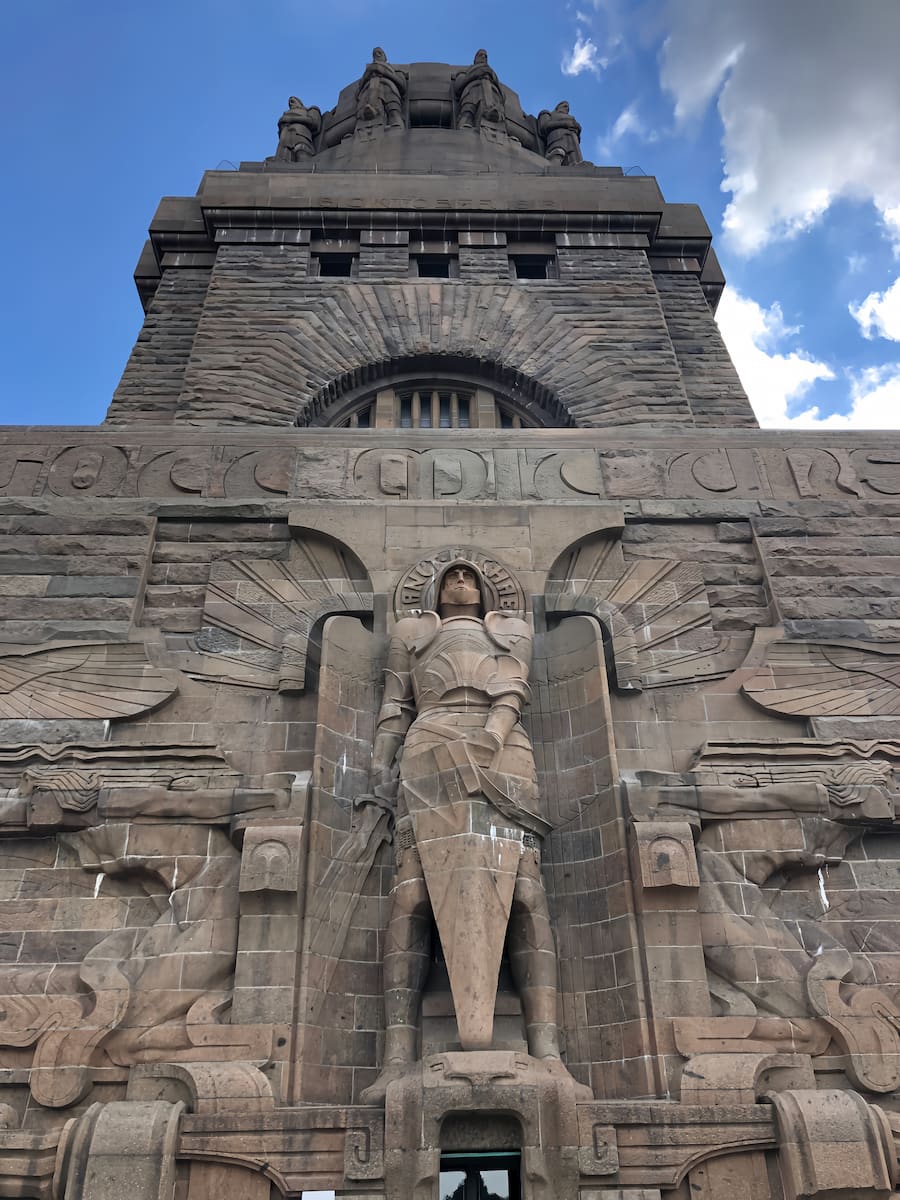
(480, 56)
(431, 593)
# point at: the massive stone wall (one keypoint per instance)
(192, 669)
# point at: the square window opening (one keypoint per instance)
(433, 266)
(336, 266)
(532, 266)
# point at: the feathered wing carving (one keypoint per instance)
(82, 680)
(819, 679)
(656, 609)
(259, 613)
(571, 728)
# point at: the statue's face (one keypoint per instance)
(481, 57)
(563, 106)
(460, 586)
(378, 55)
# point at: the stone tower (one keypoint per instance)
(447, 749)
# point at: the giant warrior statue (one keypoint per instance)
(451, 749)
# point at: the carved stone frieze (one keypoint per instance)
(309, 465)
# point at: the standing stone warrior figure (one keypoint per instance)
(478, 93)
(297, 127)
(450, 746)
(561, 134)
(381, 91)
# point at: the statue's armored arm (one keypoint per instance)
(509, 691)
(396, 714)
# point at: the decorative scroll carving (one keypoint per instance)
(840, 679)
(88, 680)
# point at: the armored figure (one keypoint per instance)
(450, 747)
(381, 91)
(297, 127)
(478, 93)
(561, 134)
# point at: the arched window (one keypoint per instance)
(435, 392)
(431, 404)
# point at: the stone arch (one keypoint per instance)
(536, 404)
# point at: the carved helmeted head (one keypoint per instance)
(460, 587)
(460, 583)
(563, 107)
(480, 58)
(378, 55)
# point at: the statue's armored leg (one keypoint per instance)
(532, 956)
(467, 116)
(407, 958)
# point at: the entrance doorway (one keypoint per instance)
(483, 1176)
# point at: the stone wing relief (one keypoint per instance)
(833, 679)
(81, 680)
(657, 612)
(788, 969)
(260, 614)
(121, 904)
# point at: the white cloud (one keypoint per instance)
(879, 314)
(584, 56)
(773, 379)
(875, 396)
(628, 121)
(777, 377)
(809, 96)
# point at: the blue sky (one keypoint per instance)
(791, 106)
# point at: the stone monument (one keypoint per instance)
(447, 749)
